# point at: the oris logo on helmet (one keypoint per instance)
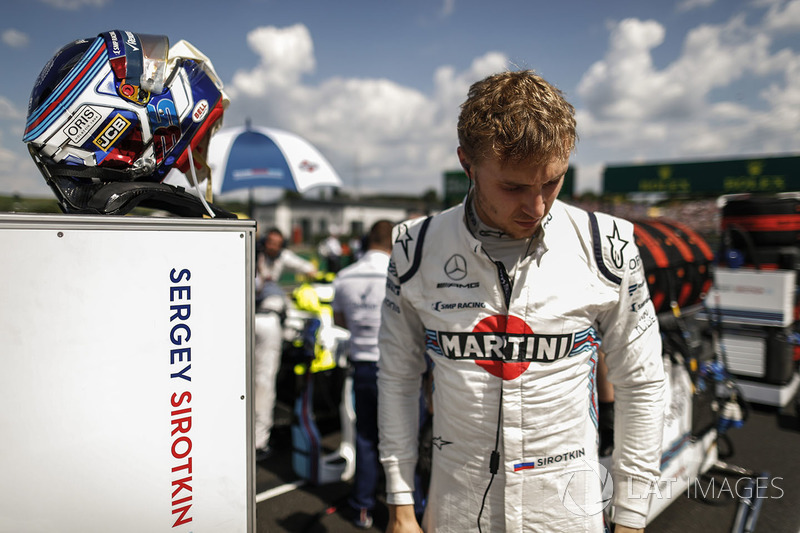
(82, 124)
(200, 111)
(112, 132)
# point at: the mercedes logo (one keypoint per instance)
(456, 267)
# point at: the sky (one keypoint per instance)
(376, 85)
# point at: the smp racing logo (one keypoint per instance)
(506, 346)
(450, 306)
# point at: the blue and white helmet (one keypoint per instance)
(109, 117)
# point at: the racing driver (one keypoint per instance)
(510, 295)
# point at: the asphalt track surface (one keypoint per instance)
(768, 442)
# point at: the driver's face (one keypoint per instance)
(514, 198)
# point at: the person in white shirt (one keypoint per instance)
(272, 259)
(271, 302)
(358, 298)
(331, 250)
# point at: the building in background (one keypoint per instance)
(305, 220)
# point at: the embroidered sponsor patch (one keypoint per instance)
(456, 267)
(506, 350)
(471, 285)
(549, 460)
(404, 239)
(617, 244)
(453, 306)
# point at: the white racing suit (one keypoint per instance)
(535, 341)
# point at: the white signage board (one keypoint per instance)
(755, 297)
(126, 383)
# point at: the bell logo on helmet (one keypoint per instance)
(112, 132)
(200, 111)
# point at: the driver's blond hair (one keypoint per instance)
(516, 116)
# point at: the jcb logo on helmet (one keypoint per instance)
(112, 132)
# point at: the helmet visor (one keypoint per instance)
(154, 64)
(138, 59)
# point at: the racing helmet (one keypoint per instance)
(110, 116)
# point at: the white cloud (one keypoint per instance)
(8, 111)
(15, 38)
(689, 108)
(396, 138)
(448, 7)
(783, 16)
(393, 137)
(72, 5)
(285, 55)
(622, 85)
(19, 174)
(690, 5)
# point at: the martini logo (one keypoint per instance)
(506, 346)
(502, 346)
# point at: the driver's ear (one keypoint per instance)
(462, 158)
